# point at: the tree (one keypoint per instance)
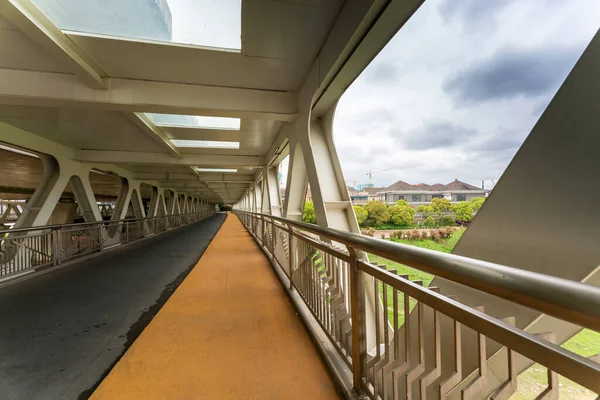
(309, 213)
(476, 203)
(464, 211)
(361, 214)
(401, 215)
(425, 210)
(377, 211)
(402, 203)
(441, 205)
(447, 220)
(429, 222)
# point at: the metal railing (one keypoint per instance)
(25, 249)
(402, 340)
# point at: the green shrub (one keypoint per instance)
(377, 213)
(447, 220)
(361, 214)
(464, 211)
(309, 215)
(476, 203)
(441, 205)
(401, 215)
(429, 222)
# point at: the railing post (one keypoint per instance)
(359, 331)
(292, 255)
(56, 247)
(273, 238)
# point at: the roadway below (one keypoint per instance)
(61, 333)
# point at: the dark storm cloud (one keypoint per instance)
(510, 74)
(435, 135)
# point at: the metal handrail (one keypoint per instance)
(568, 300)
(108, 222)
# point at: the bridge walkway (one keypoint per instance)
(61, 332)
(228, 332)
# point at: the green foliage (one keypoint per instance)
(361, 214)
(441, 205)
(429, 222)
(401, 215)
(464, 211)
(402, 203)
(476, 203)
(447, 220)
(309, 215)
(426, 210)
(378, 213)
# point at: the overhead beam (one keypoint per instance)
(33, 23)
(170, 178)
(154, 132)
(208, 134)
(129, 157)
(378, 26)
(129, 95)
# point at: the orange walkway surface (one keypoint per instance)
(228, 332)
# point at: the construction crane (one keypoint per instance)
(371, 172)
(354, 182)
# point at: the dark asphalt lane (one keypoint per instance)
(61, 332)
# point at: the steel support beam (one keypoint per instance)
(128, 95)
(128, 157)
(33, 23)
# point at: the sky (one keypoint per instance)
(457, 90)
(214, 23)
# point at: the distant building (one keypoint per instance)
(422, 193)
(372, 192)
(357, 196)
(141, 19)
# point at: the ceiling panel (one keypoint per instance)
(181, 64)
(20, 52)
(80, 128)
(287, 30)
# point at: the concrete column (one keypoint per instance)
(297, 185)
(153, 206)
(273, 190)
(63, 213)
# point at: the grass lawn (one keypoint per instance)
(531, 382)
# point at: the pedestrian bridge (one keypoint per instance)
(118, 141)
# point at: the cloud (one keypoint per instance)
(470, 11)
(505, 140)
(459, 87)
(436, 134)
(383, 72)
(512, 73)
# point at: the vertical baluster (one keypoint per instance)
(357, 299)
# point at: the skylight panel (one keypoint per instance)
(193, 121)
(206, 144)
(207, 23)
(216, 170)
